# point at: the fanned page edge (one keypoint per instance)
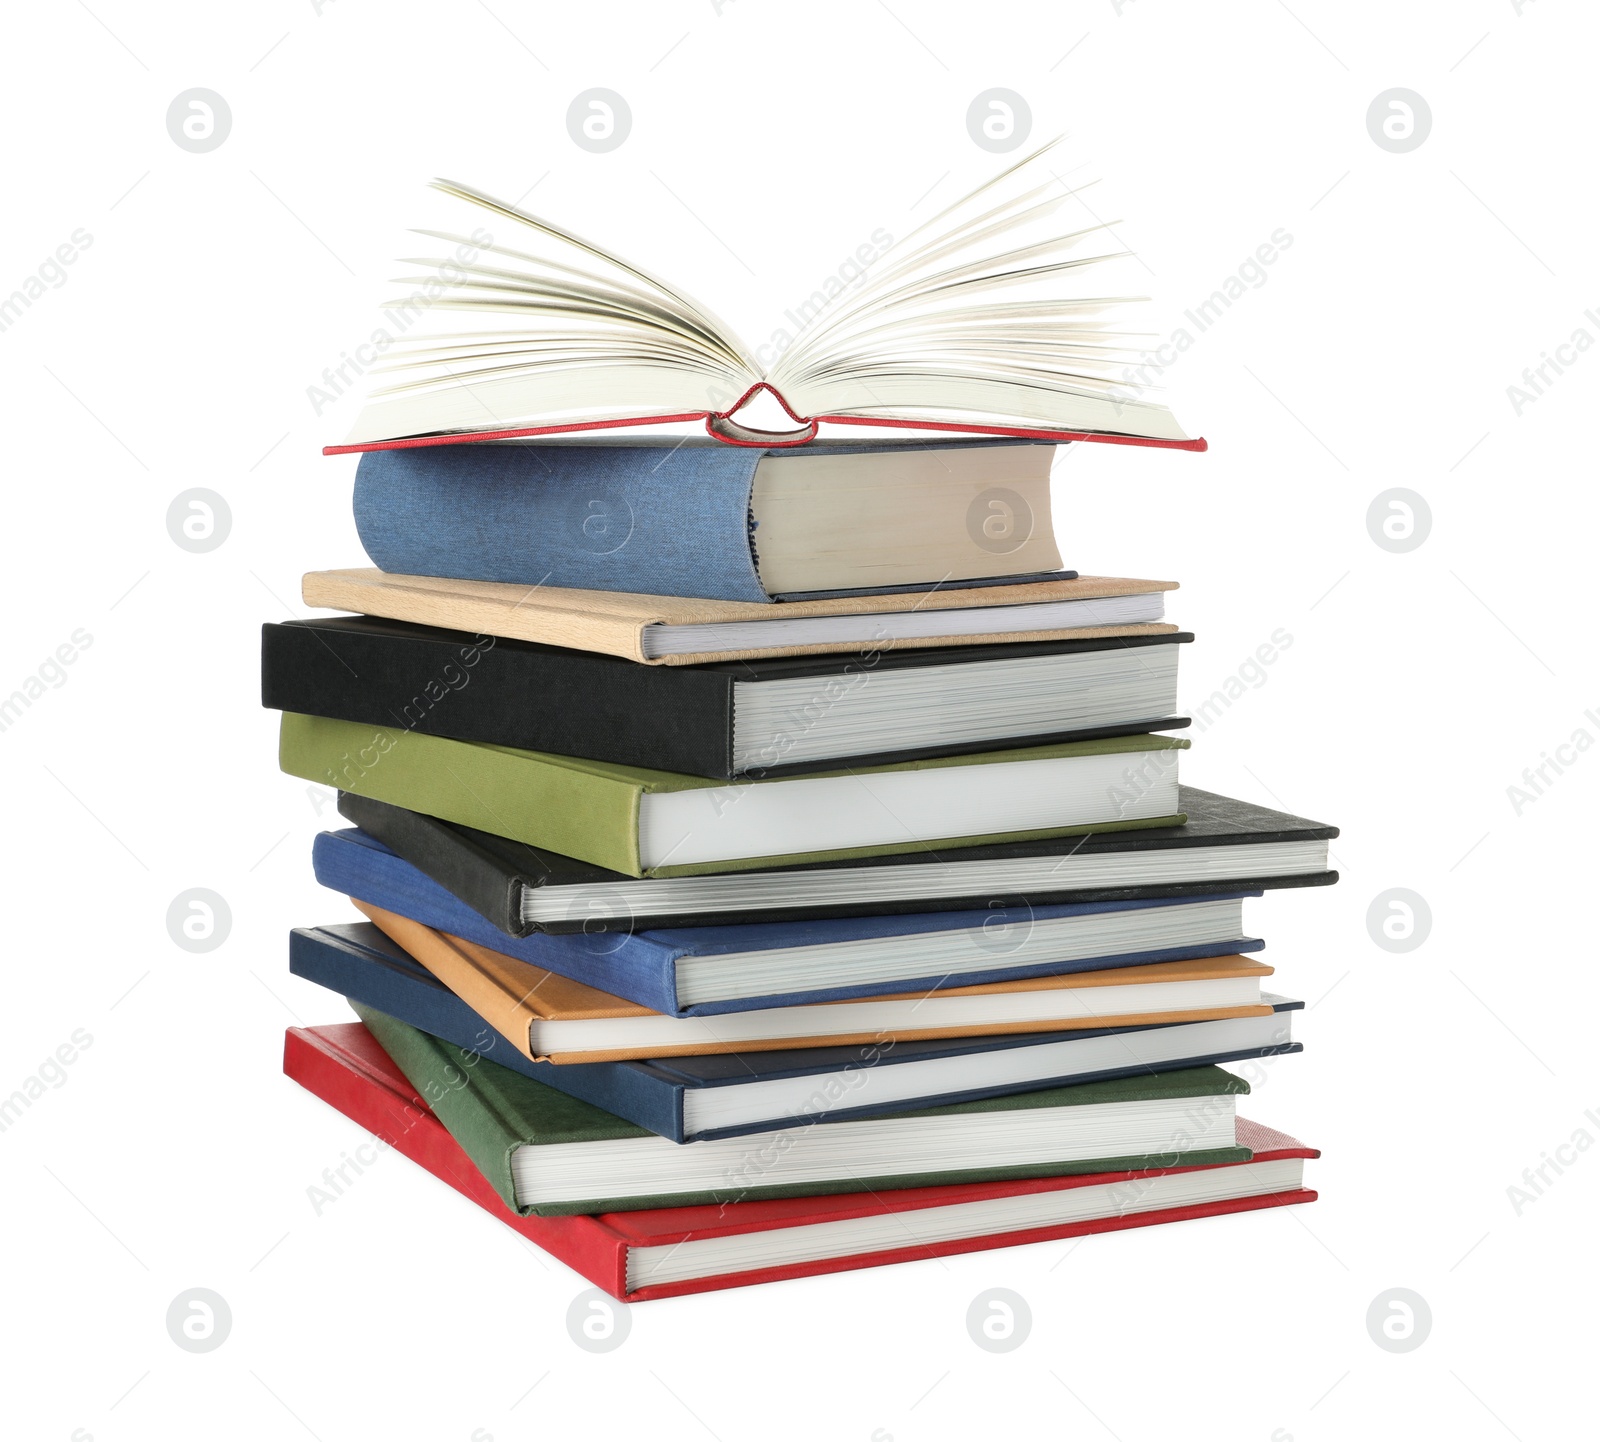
(1078, 374)
(677, 1224)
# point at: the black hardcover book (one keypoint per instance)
(1226, 845)
(782, 716)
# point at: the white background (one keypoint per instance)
(767, 142)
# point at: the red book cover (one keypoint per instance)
(347, 1068)
(722, 426)
(565, 329)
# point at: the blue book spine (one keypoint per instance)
(360, 963)
(666, 521)
(642, 966)
(400, 988)
(630, 966)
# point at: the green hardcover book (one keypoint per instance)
(548, 1154)
(660, 823)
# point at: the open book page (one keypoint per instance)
(996, 313)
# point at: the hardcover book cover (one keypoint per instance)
(583, 703)
(358, 962)
(516, 998)
(643, 966)
(615, 622)
(667, 519)
(345, 1067)
(494, 1112)
(591, 810)
(505, 880)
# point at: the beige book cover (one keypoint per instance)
(614, 622)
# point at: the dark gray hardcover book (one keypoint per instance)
(1226, 845)
(726, 720)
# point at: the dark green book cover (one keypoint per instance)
(492, 1112)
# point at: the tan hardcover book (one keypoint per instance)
(553, 1018)
(680, 631)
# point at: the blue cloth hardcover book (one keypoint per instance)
(915, 953)
(678, 519)
(698, 1098)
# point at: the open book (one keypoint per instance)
(979, 321)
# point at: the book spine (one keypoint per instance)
(585, 1244)
(519, 616)
(626, 965)
(450, 1084)
(625, 1089)
(572, 809)
(661, 521)
(475, 687)
(469, 873)
(633, 1092)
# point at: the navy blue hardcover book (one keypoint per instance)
(657, 968)
(698, 1098)
(680, 520)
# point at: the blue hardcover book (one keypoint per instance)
(731, 523)
(689, 1099)
(705, 970)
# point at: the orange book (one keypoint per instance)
(553, 1018)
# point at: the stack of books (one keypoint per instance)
(771, 861)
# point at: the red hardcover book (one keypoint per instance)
(640, 1256)
(722, 426)
(989, 319)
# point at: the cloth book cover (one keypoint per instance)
(346, 1068)
(357, 961)
(591, 809)
(492, 1111)
(616, 622)
(665, 520)
(516, 998)
(583, 703)
(496, 876)
(642, 965)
